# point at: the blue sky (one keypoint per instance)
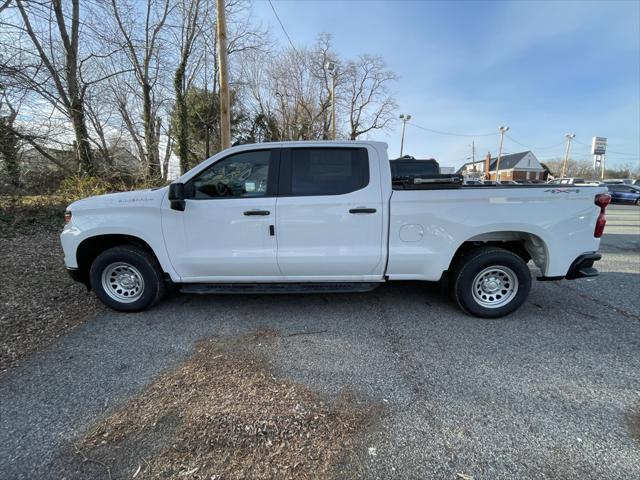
(544, 68)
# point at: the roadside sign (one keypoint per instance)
(599, 145)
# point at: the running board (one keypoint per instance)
(314, 287)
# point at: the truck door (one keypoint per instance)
(329, 222)
(225, 232)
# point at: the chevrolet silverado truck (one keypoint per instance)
(330, 217)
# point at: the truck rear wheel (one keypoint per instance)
(490, 282)
(127, 278)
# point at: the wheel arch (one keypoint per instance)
(91, 247)
(527, 245)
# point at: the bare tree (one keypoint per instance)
(292, 91)
(189, 29)
(144, 56)
(9, 142)
(114, 83)
(65, 74)
(368, 100)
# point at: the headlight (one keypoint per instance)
(67, 217)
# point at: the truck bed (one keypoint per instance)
(554, 224)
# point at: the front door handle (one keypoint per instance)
(362, 210)
(250, 213)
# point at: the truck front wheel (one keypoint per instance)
(490, 282)
(127, 278)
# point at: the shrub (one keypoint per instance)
(82, 186)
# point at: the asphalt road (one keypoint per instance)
(552, 391)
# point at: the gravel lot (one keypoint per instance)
(552, 391)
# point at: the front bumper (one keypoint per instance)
(77, 275)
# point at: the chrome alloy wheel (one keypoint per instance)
(122, 282)
(495, 286)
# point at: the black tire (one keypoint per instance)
(474, 272)
(143, 274)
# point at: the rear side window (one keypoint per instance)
(325, 171)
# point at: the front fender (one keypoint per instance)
(139, 223)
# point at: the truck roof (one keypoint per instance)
(311, 143)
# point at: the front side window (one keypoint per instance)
(328, 171)
(244, 174)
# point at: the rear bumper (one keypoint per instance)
(580, 268)
(583, 266)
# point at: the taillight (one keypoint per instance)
(602, 200)
(67, 216)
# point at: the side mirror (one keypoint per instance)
(176, 196)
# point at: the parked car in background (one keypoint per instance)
(627, 181)
(624, 193)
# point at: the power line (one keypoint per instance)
(282, 26)
(533, 147)
(451, 133)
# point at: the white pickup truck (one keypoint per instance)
(328, 216)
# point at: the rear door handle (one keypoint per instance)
(250, 213)
(362, 210)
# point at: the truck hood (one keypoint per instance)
(135, 198)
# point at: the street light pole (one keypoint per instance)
(569, 137)
(473, 154)
(405, 119)
(333, 106)
(503, 130)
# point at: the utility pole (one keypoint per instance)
(331, 68)
(503, 130)
(225, 113)
(569, 137)
(405, 119)
(473, 154)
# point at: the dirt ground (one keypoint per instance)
(38, 300)
(223, 415)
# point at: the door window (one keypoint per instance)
(244, 174)
(325, 171)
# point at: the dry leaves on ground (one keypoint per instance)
(223, 415)
(38, 300)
